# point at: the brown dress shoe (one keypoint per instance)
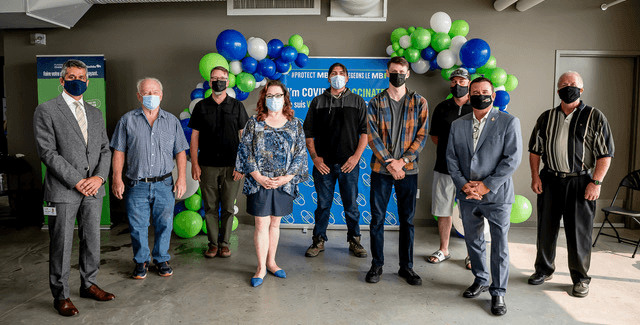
(211, 252)
(225, 252)
(96, 293)
(65, 307)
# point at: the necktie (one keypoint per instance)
(81, 120)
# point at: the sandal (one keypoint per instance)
(467, 262)
(439, 256)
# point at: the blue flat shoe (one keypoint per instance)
(280, 274)
(256, 282)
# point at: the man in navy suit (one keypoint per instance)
(484, 149)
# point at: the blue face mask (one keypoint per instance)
(75, 87)
(338, 82)
(151, 101)
(275, 104)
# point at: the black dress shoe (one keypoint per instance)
(539, 278)
(498, 306)
(412, 277)
(474, 290)
(373, 276)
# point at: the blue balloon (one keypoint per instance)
(258, 77)
(274, 47)
(471, 70)
(276, 76)
(231, 45)
(502, 98)
(302, 60)
(433, 65)
(179, 207)
(475, 53)
(289, 54)
(201, 211)
(240, 95)
(249, 65)
(428, 53)
(266, 67)
(206, 85)
(197, 93)
(282, 66)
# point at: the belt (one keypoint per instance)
(154, 179)
(565, 175)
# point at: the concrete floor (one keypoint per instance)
(329, 289)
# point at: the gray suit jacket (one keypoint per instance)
(496, 157)
(62, 149)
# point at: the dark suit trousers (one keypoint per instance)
(61, 229)
(563, 198)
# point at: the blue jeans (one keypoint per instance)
(155, 200)
(325, 185)
(406, 189)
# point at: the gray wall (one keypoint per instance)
(167, 40)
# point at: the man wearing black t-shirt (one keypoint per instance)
(444, 191)
(217, 122)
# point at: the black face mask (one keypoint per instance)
(219, 85)
(480, 102)
(569, 94)
(458, 91)
(397, 79)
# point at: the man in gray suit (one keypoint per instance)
(484, 149)
(72, 143)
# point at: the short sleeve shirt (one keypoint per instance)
(445, 113)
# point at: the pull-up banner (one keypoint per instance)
(367, 78)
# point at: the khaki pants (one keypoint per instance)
(219, 192)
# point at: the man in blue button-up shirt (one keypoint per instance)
(149, 137)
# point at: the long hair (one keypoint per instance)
(261, 108)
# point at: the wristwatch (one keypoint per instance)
(596, 182)
(406, 160)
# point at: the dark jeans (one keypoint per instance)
(563, 198)
(325, 186)
(406, 189)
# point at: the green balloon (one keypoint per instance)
(521, 209)
(194, 202)
(186, 110)
(232, 79)
(210, 61)
(304, 50)
(420, 39)
(448, 97)
(204, 226)
(459, 28)
(440, 42)
(199, 191)
(511, 83)
(446, 73)
(397, 33)
(475, 75)
(498, 77)
(395, 46)
(492, 63)
(234, 225)
(412, 55)
(394, 54)
(296, 41)
(208, 93)
(484, 71)
(400, 52)
(432, 32)
(434, 217)
(411, 29)
(245, 82)
(187, 224)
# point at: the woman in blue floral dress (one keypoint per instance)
(273, 156)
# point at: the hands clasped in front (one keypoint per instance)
(395, 168)
(475, 190)
(89, 186)
(273, 182)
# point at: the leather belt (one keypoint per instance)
(154, 179)
(565, 175)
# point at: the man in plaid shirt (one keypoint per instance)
(397, 129)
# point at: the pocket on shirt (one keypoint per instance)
(167, 142)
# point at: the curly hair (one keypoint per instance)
(261, 107)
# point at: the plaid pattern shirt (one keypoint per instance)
(413, 136)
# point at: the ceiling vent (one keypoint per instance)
(273, 7)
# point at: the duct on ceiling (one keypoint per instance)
(521, 5)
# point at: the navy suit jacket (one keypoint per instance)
(497, 155)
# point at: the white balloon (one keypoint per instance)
(200, 85)
(456, 221)
(231, 92)
(193, 104)
(456, 43)
(499, 88)
(405, 41)
(440, 22)
(264, 81)
(185, 115)
(446, 59)
(390, 50)
(257, 48)
(192, 184)
(235, 210)
(458, 61)
(421, 66)
(258, 84)
(235, 67)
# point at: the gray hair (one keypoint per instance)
(568, 73)
(139, 83)
(72, 63)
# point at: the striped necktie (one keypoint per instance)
(81, 120)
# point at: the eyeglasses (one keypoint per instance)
(214, 80)
(277, 96)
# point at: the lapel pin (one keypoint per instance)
(493, 119)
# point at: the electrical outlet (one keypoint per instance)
(38, 39)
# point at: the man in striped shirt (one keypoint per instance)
(572, 139)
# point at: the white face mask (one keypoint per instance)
(338, 82)
(275, 104)
(151, 101)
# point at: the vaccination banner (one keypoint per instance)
(367, 77)
(49, 87)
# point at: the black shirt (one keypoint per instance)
(218, 125)
(445, 113)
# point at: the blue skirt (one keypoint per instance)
(273, 202)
